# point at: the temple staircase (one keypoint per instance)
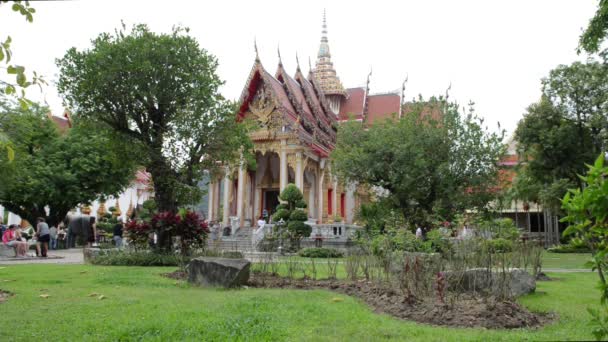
(240, 241)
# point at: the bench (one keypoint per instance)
(6, 251)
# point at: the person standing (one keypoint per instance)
(117, 234)
(2, 227)
(44, 236)
(53, 234)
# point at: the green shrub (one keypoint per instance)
(320, 253)
(138, 258)
(499, 245)
(149, 258)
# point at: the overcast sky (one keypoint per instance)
(492, 52)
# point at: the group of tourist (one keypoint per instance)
(21, 239)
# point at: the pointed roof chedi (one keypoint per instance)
(324, 70)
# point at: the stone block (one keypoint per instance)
(218, 272)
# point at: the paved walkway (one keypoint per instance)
(60, 256)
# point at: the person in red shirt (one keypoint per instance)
(10, 239)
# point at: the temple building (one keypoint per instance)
(297, 117)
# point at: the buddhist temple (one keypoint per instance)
(297, 117)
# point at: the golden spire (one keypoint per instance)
(101, 211)
(117, 212)
(130, 209)
(324, 69)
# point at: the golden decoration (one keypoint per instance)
(117, 212)
(101, 211)
(262, 108)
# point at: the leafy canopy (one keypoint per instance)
(434, 160)
(587, 215)
(58, 170)
(161, 93)
(565, 130)
(596, 31)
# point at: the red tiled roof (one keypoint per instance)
(62, 124)
(381, 107)
(280, 92)
(296, 91)
(509, 160)
(353, 105)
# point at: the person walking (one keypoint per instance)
(53, 234)
(117, 234)
(44, 236)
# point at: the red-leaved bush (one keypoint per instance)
(138, 233)
(185, 224)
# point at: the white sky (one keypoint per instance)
(493, 53)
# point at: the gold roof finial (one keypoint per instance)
(101, 211)
(117, 212)
(130, 209)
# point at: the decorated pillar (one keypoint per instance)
(320, 193)
(299, 172)
(227, 187)
(240, 196)
(283, 162)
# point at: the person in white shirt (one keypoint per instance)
(419, 233)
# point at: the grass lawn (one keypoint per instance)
(141, 305)
(566, 260)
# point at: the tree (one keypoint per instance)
(432, 161)
(565, 130)
(291, 211)
(596, 31)
(9, 88)
(160, 92)
(55, 170)
(587, 215)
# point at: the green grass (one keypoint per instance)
(141, 305)
(565, 260)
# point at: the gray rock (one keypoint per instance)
(514, 282)
(6, 251)
(218, 272)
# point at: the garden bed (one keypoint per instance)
(467, 311)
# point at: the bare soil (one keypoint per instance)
(466, 311)
(4, 296)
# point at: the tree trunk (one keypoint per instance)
(165, 194)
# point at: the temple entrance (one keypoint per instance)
(271, 201)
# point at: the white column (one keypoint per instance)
(334, 199)
(216, 199)
(241, 194)
(299, 172)
(320, 193)
(283, 162)
(211, 201)
(227, 187)
(350, 202)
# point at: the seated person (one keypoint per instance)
(11, 238)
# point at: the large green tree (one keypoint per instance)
(8, 87)
(58, 170)
(160, 92)
(596, 31)
(567, 128)
(433, 161)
